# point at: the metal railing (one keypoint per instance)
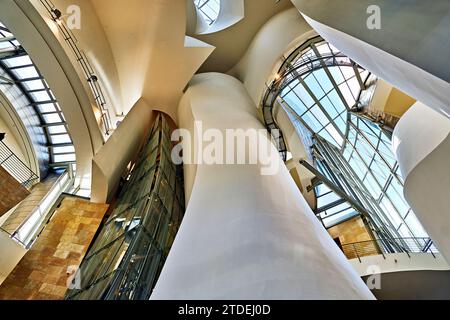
(31, 227)
(15, 167)
(383, 247)
(92, 79)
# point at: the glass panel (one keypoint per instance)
(367, 162)
(64, 138)
(26, 73)
(57, 129)
(52, 118)
(40, 96)
(64, 158)
(33, 85)
(134, 243)
(18, 61)
(69, 149)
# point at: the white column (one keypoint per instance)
(409, 50)
(421, 143)
(246, 235)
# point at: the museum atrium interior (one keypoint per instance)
(224, 149)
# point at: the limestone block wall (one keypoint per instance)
(43, 272)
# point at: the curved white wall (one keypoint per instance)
(123, 146)
(246, 235)
(417, 134)
(298, 150)
(422, 146)
(92, 40)
(281, 32)
(410, 58)
(399, 262)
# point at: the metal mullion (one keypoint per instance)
(28, 79)
(330, 76)
(37, 103)
(365, 165)
(59, 134)
(54, 124)
(27, 96)
(370, 165)
(51, 112)
(357, 207)
(308, 109)
(324, 194)
(376, 151)
(37, 90)
(358, 77)
(20, 67)
(333, 159)
(323, 109)
(298, 118)
(362, 187)
(377, 205)
(320, 107)
(331, 205)
(15, 52)
(336, 213)
(338, 178)
(56, 145)
(7, 81)
(398, 213)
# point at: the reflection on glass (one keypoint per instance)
(127, 256)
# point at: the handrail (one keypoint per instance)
(16, 167)
(357, 250)
(92, 79)
(11, 236)
(49, 199)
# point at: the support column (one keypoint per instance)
(246, 235)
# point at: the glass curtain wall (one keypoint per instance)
(21, 71)
(351, 151)
(127, 256)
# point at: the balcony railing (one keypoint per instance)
(383, 247)
(31, 227)
(15, 167)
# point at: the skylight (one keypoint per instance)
(320, 90)
(209, 9)
(323, 97)
(16, 63)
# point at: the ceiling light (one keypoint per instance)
(57, 14)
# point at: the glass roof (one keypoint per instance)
(209, 9)
(323, 97)
(354, 152)
(21, 71)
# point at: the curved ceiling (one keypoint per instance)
(229, 47)
(154, 59)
